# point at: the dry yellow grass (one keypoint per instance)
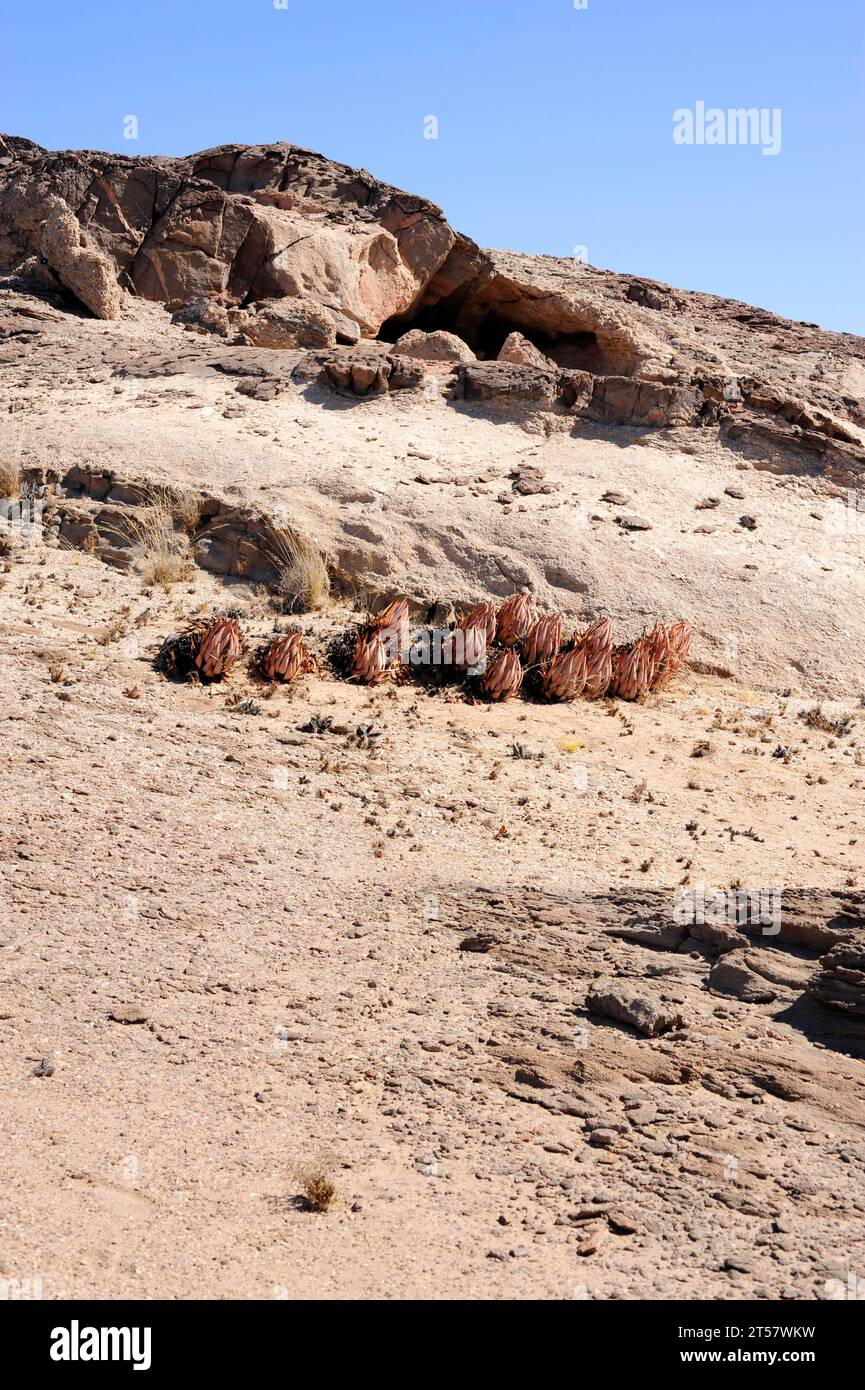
(304, 582)
(160, 552)
(10, 477)
(183, 505)
(316, 1184)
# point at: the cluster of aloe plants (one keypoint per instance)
(496, 651)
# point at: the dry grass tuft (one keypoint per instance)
(316, 1184)
(10, 477)
(304, 582)
(185, 508)
(10, 469)
(159, 535)
(160, 552)
(816, 719)
(181, 504)
(319, 1190)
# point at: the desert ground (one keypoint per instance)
(427, 950)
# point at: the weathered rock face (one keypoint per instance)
(235, 223)
(553, 302)
(34, 220)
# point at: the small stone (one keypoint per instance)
(591, 1244)
(529, 480)
(603, 1138)
(621, 1224)
(129, 1013)
(480, 944)
(618, 499)
(631, 522)
(749, 522)
(45, 1068)
(734, 492)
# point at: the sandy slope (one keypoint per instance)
(278, 913)
(285, 911)
(409, 493)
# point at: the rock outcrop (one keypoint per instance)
(276, 246)
(236, 223)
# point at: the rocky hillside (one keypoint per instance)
(290, 339)
(276, 246)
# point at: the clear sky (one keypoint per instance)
(555, 123)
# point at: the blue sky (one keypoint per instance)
(555, 124)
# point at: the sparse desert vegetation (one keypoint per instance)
(561, 955)
(317, 1186)
(304, 582)
(160, 552)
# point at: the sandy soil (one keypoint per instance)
(284, 911)
(239, 942)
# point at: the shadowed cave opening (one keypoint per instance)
(485, 329)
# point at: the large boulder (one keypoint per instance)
(502, 384)
(433, 347)
(285, 323)
(33, 219)
(840, 981)
(522, 352)
(203, 316)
